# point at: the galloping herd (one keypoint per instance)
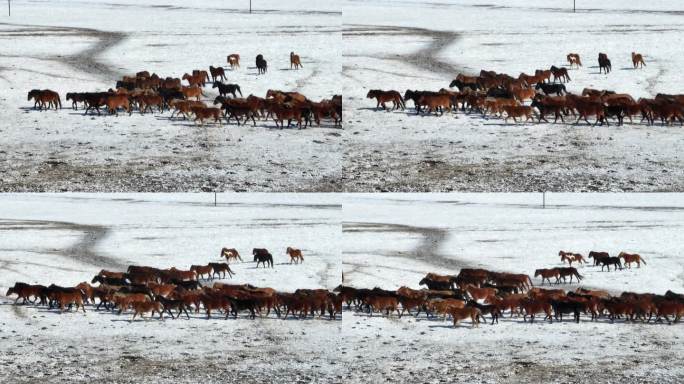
(474, 293)
(147, 92)
(504, 96)
(144, 289)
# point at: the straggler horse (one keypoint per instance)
(261, 255)
(295, 255)
(230, 254)
(604, 63)
(294, 61)
(385, 96)
(637, 60)
(574, 59)
(571, 257)
(630, 258)
(261, 64)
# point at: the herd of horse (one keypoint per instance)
(505, 96)
(172, 291)
(474, 293)
(152, 93)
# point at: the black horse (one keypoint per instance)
(604, 63)
(499, 92)
(461, 85)
(547, 88)
(598, 256)
(437, 285)
(261, 255)
(169, 304)
(261, 64)
(225, 89)
(109, 280)
(608, 261)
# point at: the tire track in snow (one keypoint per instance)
(426, 251)
(87, 60)
(83, 251)
(426, 58)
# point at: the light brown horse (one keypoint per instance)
(206, 113)
(547, 274)
(632, 258)
(197, 80)
(571, 257)
(637, 60)
(295, 255)
(458, 314)
(142, 307)
(192, 91)
(114, 102)
(386, 96)
(294, 61)
(45, 99)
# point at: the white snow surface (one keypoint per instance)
(423, 45)
(78, 46)
(68, 238)
(394, 240)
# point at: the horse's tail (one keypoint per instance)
(238, 89)
(529, 280)
(402, 102)
(59, 102)
(642, 260)
(578, 276)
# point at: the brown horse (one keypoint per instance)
(295, 255)
(194, 80)
(204, 113)
(518, 111)
(569, 271)
(480, 293)
(386, 96)
(142, 307)
(630, 258)
(114, 102)
(637, 60)
(458, 314)
(217, 73)
(230, 254)
(294, 61)
(571, 257)
(192, 91)
(202, 270)
(560, 74)
(45, 99)
(547, 274)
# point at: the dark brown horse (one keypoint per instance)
(261, 255)
(383, 97)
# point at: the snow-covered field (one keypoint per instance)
(67, 239)
(424, 44)
(78, 46)
(394, 240)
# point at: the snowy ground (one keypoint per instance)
(423, 45)
(66, 239)
(76, 46)
(393, 240)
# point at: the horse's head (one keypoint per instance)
(96, 279)
(537, 272)
(33, 93)
(10, 291)
(423, 281)
(371, 94)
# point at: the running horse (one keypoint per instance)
(383, 97)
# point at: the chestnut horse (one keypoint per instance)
(547, 274)
(386, 96)
(45, 99)
(294, 61)
(295, 255)
(637, 60)
(630, 258)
